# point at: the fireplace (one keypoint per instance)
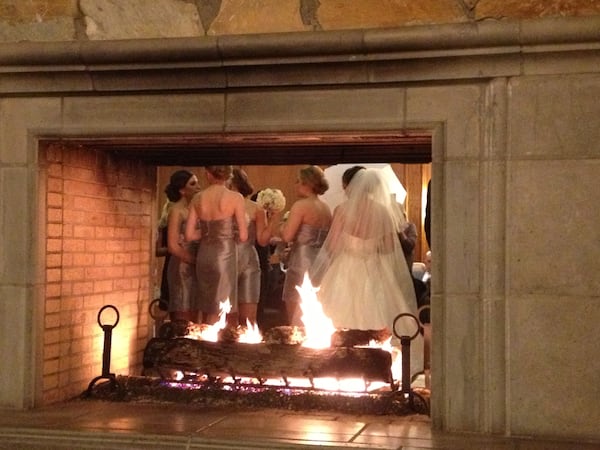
(101, 203)
(313, 366)
(505, 104)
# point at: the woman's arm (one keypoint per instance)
(263, 230)
(289, 229)
(159, 248)
(240, 216)
(173, 230)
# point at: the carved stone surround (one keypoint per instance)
(468, 86)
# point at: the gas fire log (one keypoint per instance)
(276, 335)
(340, 338)
(263, 361)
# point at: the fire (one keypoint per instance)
(252, 334)
(318, 327)
(318, 331)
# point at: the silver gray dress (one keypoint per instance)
(216, 265)
(248, 268)
(182, 282)
(303, 252)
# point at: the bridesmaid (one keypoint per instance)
(214, 214)
(181, 277)
(306, 228)
(249, 272)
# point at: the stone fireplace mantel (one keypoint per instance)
(422, 53)
(511, 109)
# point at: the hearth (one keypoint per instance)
(351, 374)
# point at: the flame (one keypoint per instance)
(211, 333)
(318, 327)
(251, 335)
(318, 330)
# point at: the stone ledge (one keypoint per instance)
(458, 51)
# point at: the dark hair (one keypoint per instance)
(220, 172)
(314, 177)
(349, 174)
(177, 182)
(241, 182)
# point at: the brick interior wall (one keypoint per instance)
(99, 217)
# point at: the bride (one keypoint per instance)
(361, 271)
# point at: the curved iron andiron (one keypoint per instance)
(107, 328)
(406, 390)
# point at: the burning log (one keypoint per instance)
(292, 335)
(263, 361)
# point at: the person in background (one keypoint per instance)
(427, 274)
(427, 221)
(408, 238)
(181, 277)
(306, 229)
(249, 269)
(161, 250)
(218, 221)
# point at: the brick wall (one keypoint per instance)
(98, 251)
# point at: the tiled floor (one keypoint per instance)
(95, 424)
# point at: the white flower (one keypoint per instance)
(271, 200)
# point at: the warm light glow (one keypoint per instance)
(251, 335)
(211, 333)
(318, 330)
(325, 384)
(318, 327)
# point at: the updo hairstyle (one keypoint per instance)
(221, 173)
(177, 182)
(314, 177)
(241, 183)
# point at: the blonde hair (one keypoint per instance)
(314, 177)
(164, 214)
(223, 173)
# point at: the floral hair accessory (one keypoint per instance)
(271, 200)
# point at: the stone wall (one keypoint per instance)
(67, 20)
(511, 108)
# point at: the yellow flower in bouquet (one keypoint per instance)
(272, 200)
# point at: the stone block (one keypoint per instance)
(20, 119)
(554, 380)
(252, 17)
(122, 19)
(156, 113)
(554, 117)
(344, 14)
(315, 109)
(461, 252)
(552, 205)
(519, 9)
(458, 107)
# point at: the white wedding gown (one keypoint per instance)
(366, 289)
(363, 279)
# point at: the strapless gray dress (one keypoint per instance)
(248, 268)
(182, 281)
(216, 265)
(303, 252)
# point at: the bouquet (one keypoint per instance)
(272, 200)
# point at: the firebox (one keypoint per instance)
(102, 197)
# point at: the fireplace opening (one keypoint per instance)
(101, 197)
